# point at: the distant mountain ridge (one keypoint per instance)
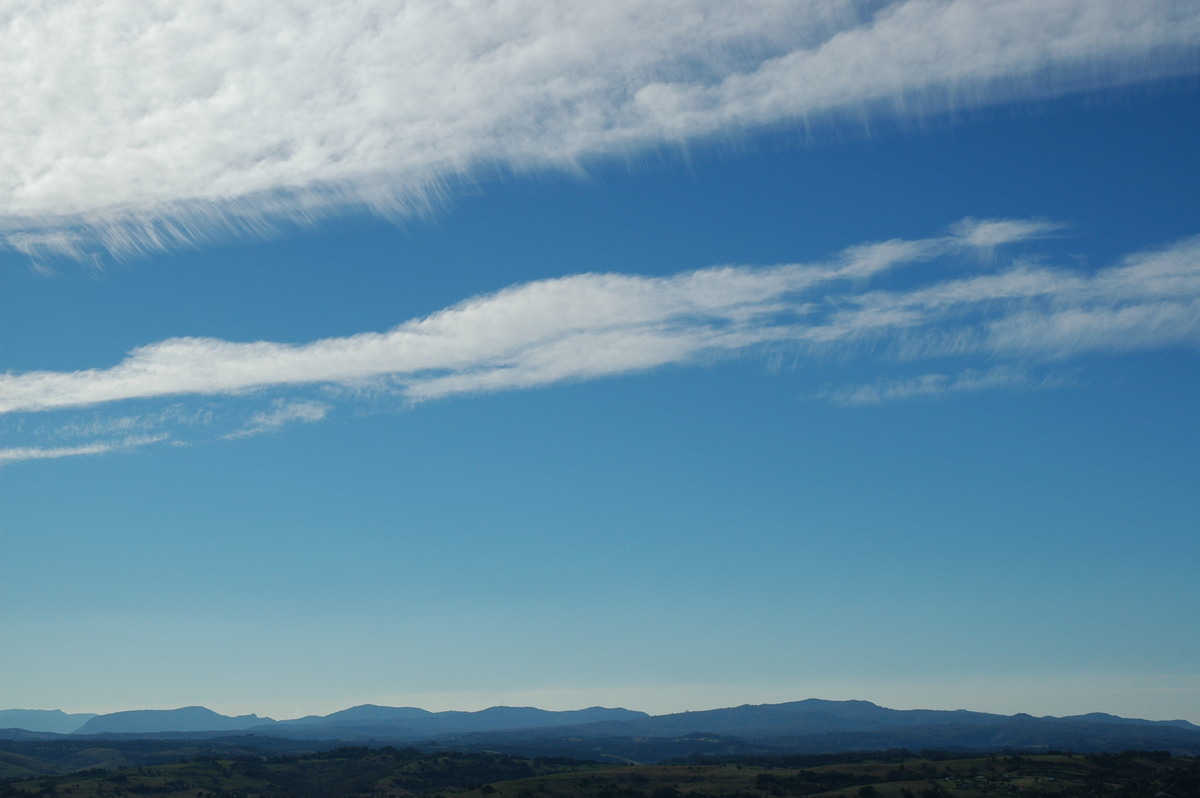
(819, 726)
(43, 720)
(364, 720)
(811, 725)
(372, 721)
(491, 719)
(184, 719)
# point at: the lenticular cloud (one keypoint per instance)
(131, 127)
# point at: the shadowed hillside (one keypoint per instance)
(391, 773)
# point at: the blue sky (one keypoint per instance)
(671, 357)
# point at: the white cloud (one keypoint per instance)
(933, 386)
(995, 232)
(134, 126)
(591, 325)
(19, 453)
(1151, 299)
(281, 414)
(572, 327)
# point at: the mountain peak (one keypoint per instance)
(183, 719)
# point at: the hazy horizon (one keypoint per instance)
(670, 356)
(552, 701)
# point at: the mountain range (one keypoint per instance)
(812, 725)
(360, 721)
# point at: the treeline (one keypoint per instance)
(386, 772)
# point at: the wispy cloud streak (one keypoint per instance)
(133, 127)
(988, 321)
(930, 386)
(280, 415)
(577, 326)
(19, 453)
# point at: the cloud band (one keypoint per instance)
(133, 127)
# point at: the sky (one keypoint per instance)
(672, 356)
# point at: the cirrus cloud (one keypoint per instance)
(134, 127)
(990, 321)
